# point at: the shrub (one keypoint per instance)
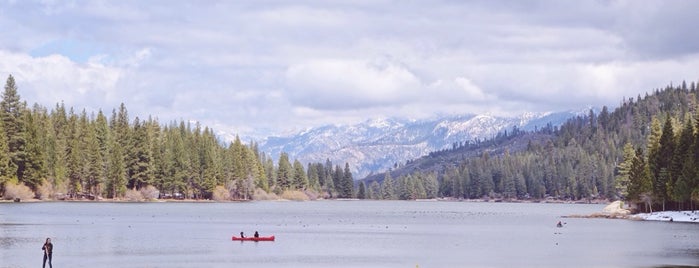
(262, 195)
(133, 195)
(221, 194)
(312, 195)
(150, 193)
(17, 190)
(294, 195)
(44, 190)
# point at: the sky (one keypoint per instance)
(257, 68)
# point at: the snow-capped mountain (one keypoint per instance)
(377, 144)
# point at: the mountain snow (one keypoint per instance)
(378, 144)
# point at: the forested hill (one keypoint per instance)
(61, 153)
(583, 158)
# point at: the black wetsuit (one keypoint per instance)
(48, 253)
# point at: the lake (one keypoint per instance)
(337, 234)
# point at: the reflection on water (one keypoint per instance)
(337, 234)
(7, 243)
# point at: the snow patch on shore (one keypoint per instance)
(674, 216)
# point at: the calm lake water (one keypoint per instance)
(336, 234)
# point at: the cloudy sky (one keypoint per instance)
(269, 67)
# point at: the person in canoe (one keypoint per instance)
(257, 235)
(559, 225)
(242, 235)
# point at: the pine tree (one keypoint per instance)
(210, 171)
(196, 183)
(157, 150)
(116, 168)
(300, 181)
(237, 159)
(347, 183)
(663, 169)
(12, 112)
(509, 189)
(269, 171)
(639, 178)
(4, 159)
(431, 186)
(361, 193)
(116, 180)
(284, 172)
(180, 163)
(387, 188)
(313, 177)
(262, 181)
(101, 136)
(374, 190)
(35, 172)
(93, 161)
(58, 154)
(76, 157)
(623, 170)
(681, 166)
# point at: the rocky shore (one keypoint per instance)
(615, 210)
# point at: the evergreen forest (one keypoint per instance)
(64, 154)
(646, 152)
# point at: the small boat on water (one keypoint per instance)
(261, 238)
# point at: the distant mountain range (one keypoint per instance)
(376, 145)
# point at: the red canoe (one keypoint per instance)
(261, 238)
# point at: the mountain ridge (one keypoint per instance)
(378, 144)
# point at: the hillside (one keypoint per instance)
(379, 144)
(440, 160)
(59, 153)
(645, 151)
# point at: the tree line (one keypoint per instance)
(79, 155)
(625, 154)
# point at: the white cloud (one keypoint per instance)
(472, 91)
(56, 78)
(254, 67)
(350, 84)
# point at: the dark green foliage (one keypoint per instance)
(140, 158)
(4, 160)
(116, 171)
(284, 172)
(12, 111)
(346, 183)
(584, 158)
(387, 188)
(662, 172)
(362, 192)
(35, 163)
(639, 182)
(623, 170)
(324, 176)
(300, 181)
(82, 155)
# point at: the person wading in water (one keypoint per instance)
(48, 252)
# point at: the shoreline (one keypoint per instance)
(108, 200)
(615, 210)
(684, 216)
